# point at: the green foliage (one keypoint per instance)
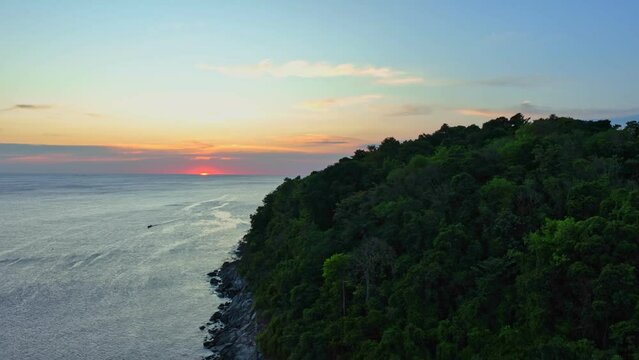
(516, 240)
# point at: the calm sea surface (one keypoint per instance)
(81, 276)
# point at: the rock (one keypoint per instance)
(234, 326)
(202, 327)
(209, 342)
(216, 316)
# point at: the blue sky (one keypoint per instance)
(267, 82)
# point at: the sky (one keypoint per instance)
(287, 87)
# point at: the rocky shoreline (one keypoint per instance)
(231, 331)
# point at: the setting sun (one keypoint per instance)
(204, 174)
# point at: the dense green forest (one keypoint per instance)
(514, 240)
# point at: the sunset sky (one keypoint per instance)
(273, 87)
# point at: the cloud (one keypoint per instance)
(481, 112)
(207, 158)
(307, 69)
(510, 81)
(338, 102)
(408, 110)
(62, 158)
(57, 108)
(525, 107)
(28, 107)
(498, 81)
(329, 142)
(24, 158)
(600, 113)
(58, 154)
(401, 80)
(376, 108)
(301, 144)
(288, 155)
(381, 75)
(538, 111)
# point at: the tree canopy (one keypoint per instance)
(516, 240)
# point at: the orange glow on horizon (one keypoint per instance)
(202, 170)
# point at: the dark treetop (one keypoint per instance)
(516, 240)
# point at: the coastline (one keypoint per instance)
(232, 329)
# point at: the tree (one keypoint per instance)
(371, 259)
(335, 270)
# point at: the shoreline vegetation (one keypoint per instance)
(516, 239)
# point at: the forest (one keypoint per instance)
(516, 239)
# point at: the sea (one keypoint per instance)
(82, 276)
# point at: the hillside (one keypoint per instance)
(516, 239)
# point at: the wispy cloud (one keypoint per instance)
(497, 81)
(481, 112)
(199, 150)
(510, 81)
(401, 80)
(338, 102)
(406, 110)
(60, 109)
(307, 69)
(533, 110)
(59, 154)
(24, 158)
(525, 107)
(211, 157)
(63, 158)
(321, 140)
(380, 75)
(371, 106)
(28, 107)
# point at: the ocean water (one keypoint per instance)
(82, 277)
